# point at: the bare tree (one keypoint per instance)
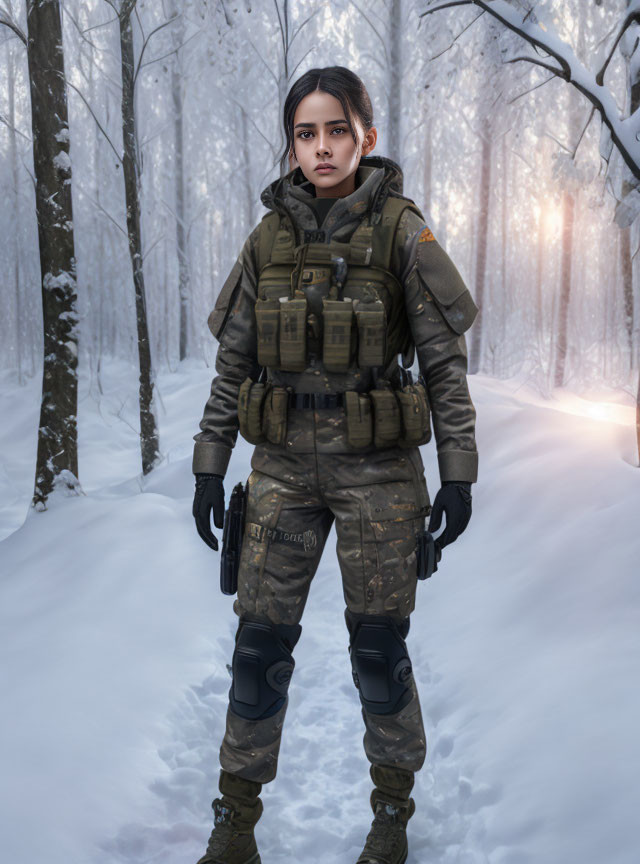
(57, 456)
(131, 163)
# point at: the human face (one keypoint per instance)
(321, 134)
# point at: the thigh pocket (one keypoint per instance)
(390, 583)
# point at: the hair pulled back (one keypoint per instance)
(338, 81)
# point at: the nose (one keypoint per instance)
(323, 143)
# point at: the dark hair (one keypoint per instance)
(339, 82)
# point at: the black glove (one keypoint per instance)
(454, 499)
(209, 496)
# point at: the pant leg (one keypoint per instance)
(286, 528)
(379, 503)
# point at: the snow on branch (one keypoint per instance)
(622, 130)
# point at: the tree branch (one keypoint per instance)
(622, 131)
(146, 42)
(632, 17)
(370, 23)
(11, 24)
(586, 126)
(98, 123)
(455, 38)
(531, 89)
(558, 72)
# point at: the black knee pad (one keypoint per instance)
(262, 666)
(380, 661)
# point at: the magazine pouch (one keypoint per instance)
(416, 420)
(387, 426)
(359, 419)
(251, 396)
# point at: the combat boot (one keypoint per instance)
(392, 808)
(236, 814)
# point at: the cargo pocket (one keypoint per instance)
(254, 595)
(391, 588)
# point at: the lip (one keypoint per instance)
(325, 166)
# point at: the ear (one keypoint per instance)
(369, 141)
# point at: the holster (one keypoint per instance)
(428, 553)
(232, 534)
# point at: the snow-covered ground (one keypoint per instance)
(525, 646)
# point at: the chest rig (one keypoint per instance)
(337, 303)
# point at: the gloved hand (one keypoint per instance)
(454, 499)
(209, 496)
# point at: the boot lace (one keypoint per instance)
(223, 830)
(386, 830)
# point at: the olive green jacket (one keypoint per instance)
(438, 304)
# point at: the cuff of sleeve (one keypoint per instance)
(458, 465)
(210, 458)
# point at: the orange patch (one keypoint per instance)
(426, 235)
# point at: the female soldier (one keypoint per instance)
(341, 277)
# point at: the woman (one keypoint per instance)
(340, 279)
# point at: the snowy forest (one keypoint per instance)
(135, 139)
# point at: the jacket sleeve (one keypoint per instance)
(440, 309)
(233, 324)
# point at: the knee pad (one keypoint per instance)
(380, 661)
(262, 666)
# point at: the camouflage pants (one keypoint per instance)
(378, 500)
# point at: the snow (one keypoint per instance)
(524, 645)
(62, 162)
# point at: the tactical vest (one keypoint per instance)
(307, 305)
(341, 304)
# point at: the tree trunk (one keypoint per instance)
(13, 154)
(181, 234)
(568, 210)
(427, 165)
(148, 430)
(394, 125)
(57, 459)
(481, 249)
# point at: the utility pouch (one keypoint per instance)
(275, 415)
(268, 327)
(337, 319)
(357, 407)
(416, 420)
(387, 426)
(372, 332)
(250, 406)
(293, 334)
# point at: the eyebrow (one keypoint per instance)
(313, 125)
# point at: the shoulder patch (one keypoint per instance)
(426, 235)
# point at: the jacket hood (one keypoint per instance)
(377, 177)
